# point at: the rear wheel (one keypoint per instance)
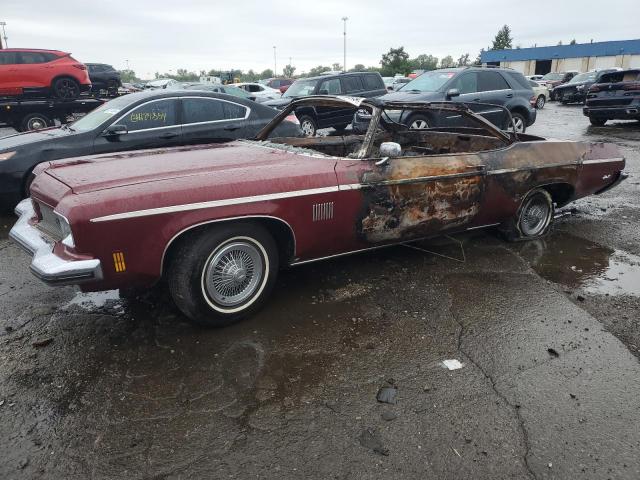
(308, 126)
(34, 121)
(533, 219)
(598, 122)
(221, 275)
(66, 88)
(540, 102)
(519, 123)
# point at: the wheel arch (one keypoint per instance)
(281, 231)
(63, 75)
(561, 192)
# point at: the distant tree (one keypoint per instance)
(249, 76)
(128, 76)
(447, 62)
(358, 67)
(315, 71)
(288, 70)
(396, 60)
(479, 57)
(572, 42)
(424, 62)
(560, 42)
(268, 73)
(503, 39)
(463, 61)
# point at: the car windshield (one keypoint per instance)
(553, 76)
(235, 91)
(300, 88)
(101, 114)
(584, 77)
(429, 81)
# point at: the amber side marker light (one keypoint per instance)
(118, 262)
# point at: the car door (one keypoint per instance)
(406, 198)
(9, 79)
(149, 125)
(32, 69)
(495, 90)
(210, 120)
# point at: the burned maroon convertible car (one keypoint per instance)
(217, 222)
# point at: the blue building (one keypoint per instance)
(581, 57)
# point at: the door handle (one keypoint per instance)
(168, 135)
(475, 100)
(509, 95)
(231, 129)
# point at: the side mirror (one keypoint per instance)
(323, 92)
(115, 130)
(452, 92)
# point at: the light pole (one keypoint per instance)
(127, 64)
(4, 34)
(344, 63)
(275, 63)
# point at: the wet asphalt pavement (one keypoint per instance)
(546, 334)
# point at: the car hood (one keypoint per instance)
(409, 96)
(569, 85)
(279, 103)
(12, 141)
(100, 172)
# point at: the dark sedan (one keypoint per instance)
(150, 119)
(575, 90)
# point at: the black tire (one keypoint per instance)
(520, 121)
(308, 125)
(533, 218)
(597, 121)
(419, 122)
(229, 252)
(540, 101)
(66, 88)
(35, 121)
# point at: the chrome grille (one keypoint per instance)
(49, 222)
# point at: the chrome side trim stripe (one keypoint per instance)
(215, 203)
(604, 160)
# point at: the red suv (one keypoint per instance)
(48, 72)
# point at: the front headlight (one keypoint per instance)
(7, 155)
(65, 229)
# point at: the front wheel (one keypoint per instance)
(533, 219)
(597, 122)
(540, 102)
(223, 274)
(308, 126)
(35, 121)
(418, 122)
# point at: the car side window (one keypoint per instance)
(254, 88)
(151, 115)
(7, 58)
(31, 57)
(332, 86)
(197, 110)
(490, 81)
(352, 84)
(466, 83)
(233, 111)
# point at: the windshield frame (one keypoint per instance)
(96, 111)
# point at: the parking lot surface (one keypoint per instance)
(540, 343)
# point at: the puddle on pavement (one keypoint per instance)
(91, 301)
(578, 263)
(6, 222)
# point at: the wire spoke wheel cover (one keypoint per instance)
(308, 128)
(536, 215)
(233, 273)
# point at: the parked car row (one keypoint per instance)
(615, 96)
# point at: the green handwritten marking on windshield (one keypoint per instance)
(148, 117)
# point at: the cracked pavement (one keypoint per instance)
(97, 386)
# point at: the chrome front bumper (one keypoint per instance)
(46, 265)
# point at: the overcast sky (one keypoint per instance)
(159, 35)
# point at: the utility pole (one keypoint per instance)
(4, 34)
(344, 63)
(127, 64)
(275, 63)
